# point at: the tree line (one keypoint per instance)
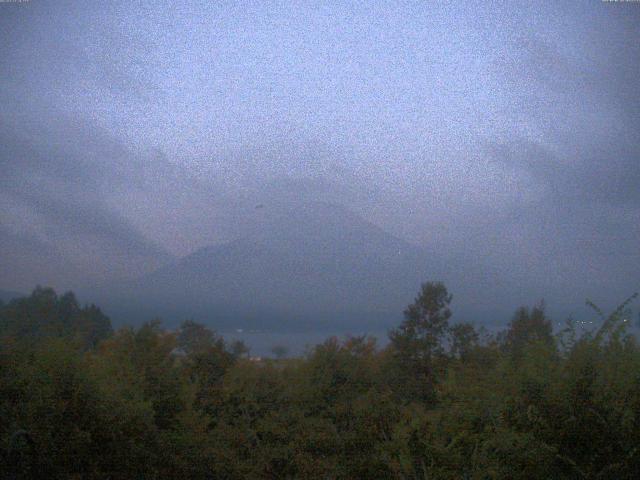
(442, 400)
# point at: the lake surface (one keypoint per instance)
(261, 343)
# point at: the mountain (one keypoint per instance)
(297, 266)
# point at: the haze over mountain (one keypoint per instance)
(298, 266)
(501, 141)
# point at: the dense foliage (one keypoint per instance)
(78, 400)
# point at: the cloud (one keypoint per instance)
(56, 182)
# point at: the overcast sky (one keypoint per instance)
(508, 134)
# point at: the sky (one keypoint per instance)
(506, 134)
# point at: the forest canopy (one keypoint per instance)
(441, 400)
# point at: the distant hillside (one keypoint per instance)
(6, 295)
(314, 265)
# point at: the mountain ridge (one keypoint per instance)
(298, 267)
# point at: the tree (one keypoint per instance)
(527, 327)
(280, 351)
(194, 337)
(417, 344)
(238, 349)
(44, 315)
(463, 338)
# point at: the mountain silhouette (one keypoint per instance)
(297, 266)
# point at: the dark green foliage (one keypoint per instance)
(527, 327)
(194, 337)
(45, 315)
(438, 402)
(463, 340)
(417, 344)
(425, 325)
(280, 351)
